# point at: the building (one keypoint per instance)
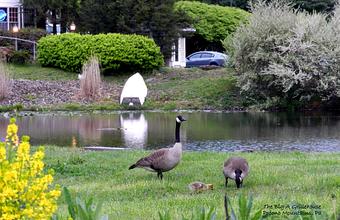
(178, 58)
(11, 14)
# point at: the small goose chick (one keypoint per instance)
(235, 168)
(164, 159)
(200, 187)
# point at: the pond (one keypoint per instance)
(208, 131)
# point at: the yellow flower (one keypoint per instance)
(23, 179)
(2, 152)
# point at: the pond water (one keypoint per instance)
(203, 131)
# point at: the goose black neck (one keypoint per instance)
(178, 125)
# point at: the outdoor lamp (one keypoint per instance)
(72, 27)
(15, 29)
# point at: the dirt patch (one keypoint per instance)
(39, 93)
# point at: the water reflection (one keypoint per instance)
(202, 131)
(135, 129)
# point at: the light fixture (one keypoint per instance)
(72, 27)
(15, 29)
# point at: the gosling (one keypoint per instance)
(236, 168)
(164, 159)
(200, 187)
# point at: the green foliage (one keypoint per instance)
(201, 214)
(245, 206)
(286, 55)
(19, 57)
(115, 51)
(315, 5)
(80, 209)
(33, 34)
(213, 22)
(131, 16)
(308, 5)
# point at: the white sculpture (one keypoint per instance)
(134, 91)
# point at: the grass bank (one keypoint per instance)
(169, 89)
(275, 178)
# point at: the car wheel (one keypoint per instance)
(213, 64)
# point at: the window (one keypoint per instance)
(9, 17)
(207, 55)
(196, 56)
(13, 15)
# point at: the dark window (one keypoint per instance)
(196, 56)
(207, 55)
(13, 15)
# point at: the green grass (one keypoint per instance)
(37, 72)
(275, 178)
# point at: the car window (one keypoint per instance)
(196, 56)
(207, 55)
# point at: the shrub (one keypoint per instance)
(19, 57)
(213, 22)
(4, 81)
(286, 55)
(25, 190)
(90, 79)
(33, 34)
(114, 51)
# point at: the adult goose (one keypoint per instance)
(235, 168)
(164, 159)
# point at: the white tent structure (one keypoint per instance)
(134, 91)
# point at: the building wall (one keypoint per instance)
(10, 3)
(10, 14)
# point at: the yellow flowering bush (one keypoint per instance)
(26, 191)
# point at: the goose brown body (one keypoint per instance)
(164, 159)
(236, 168)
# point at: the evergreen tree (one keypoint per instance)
(154, 18)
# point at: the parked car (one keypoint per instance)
(206, 58)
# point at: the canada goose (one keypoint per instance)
(236, 168)
(200, 187)
(164, 159)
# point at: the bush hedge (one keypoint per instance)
(213, 22)
(119, 52)
(284, 56)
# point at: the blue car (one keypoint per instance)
(206, 58)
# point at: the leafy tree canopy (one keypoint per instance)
(308, 5)
(212, 22)
(155, 18)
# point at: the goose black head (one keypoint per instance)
(180, 119)
(238, 178)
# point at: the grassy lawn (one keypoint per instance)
(37, 72)
(275, 178)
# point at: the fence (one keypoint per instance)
(23, 40)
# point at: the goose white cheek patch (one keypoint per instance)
(179, 121)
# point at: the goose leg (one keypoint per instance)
(160, 175)
(226, 181)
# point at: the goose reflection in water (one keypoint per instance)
(135, 130)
